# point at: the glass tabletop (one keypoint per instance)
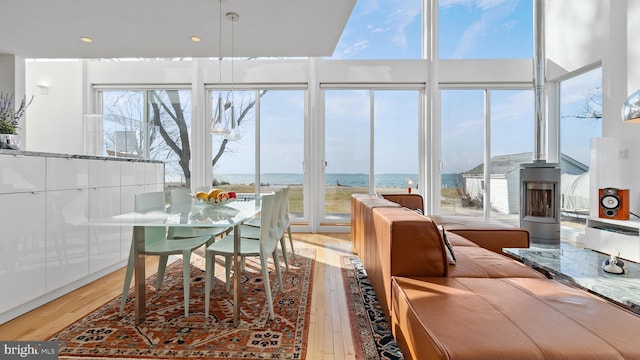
(198, 214)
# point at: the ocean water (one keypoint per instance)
(355, 180)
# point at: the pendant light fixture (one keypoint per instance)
(218, 123)
(233, 132)
(631, 109)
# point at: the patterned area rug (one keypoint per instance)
(166, 333)
(372, 331)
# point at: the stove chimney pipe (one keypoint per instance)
(539, 81)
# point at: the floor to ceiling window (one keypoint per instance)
(462, 149)
(580, 121)
(347, 150)
(371, 145)
(512, 143)
(269, 148)
(234, 159)
(479, 125)
(395, 152)
(151, 124)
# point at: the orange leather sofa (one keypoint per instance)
(486, 306)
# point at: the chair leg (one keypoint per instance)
(276, 261)
(227, 270)
(283, 245)
(210, 261)
(267, 285)
(162, 264)
(186, 278)
(291, 242)
(127, 280)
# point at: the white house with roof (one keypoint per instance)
(505, 183)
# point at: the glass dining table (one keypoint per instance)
(230, 214)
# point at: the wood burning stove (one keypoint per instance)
(540, 201)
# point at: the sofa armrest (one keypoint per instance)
(411, 201)
(491, 235)
(496, 239)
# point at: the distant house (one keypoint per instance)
(505, 182)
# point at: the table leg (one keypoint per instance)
(236, 275)
(139, 281)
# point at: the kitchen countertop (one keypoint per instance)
(72, 156)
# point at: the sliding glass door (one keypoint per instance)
(371, 141)
(268, 151)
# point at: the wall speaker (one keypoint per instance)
(614, 203)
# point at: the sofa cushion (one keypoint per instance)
(510, 318)
(473, 261)
(457, 240)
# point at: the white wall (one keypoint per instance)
(577, 32)
(54, 120)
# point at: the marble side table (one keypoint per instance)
(583, 268)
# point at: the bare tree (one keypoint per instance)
(168, 133)
(244, 110)
(592, 107)
(172, 127)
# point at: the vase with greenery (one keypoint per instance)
(10, 119)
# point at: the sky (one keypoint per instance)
(390, 29)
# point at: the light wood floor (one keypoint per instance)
(329, 332)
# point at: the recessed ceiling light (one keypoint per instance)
(195, 38)
(86, 39)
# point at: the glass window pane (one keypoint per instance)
(282, 144)
(396, 119)
(383, 29)
(485, 29)
(512, 137)
(234, 160)
(347, 148)
(169, 127)
(580, 120)
(122, 118)
(462, 142)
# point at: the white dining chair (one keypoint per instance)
(283, 224)
(263, 248)
(284, 217)
(181, 201)
(157, 243)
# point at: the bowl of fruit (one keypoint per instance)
(215, 196)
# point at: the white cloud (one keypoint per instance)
(494, 12)
(358, 46)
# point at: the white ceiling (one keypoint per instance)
(163, 28)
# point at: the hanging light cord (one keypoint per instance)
(220, 44)
(233, 20)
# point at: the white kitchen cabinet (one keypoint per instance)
(46, 201)
(23, 248)
(104, 173)
(127, 195)
(133, 173)
(104, 241)
(154, 173)
(67, 173)
(67, 237)
(21, 174)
